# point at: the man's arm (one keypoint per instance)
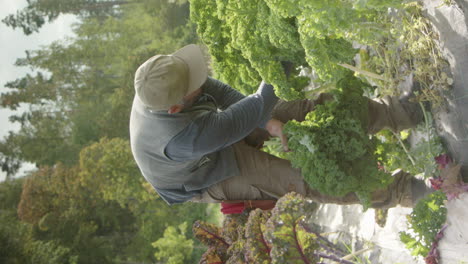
(224, 94)
(217, 130)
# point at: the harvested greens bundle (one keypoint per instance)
(332, 147)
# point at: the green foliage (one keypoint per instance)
(247, 43)
(70, 219)
(50, 252)
(391, 154)
(19, 245)
(174, 247)
(228, 63)
(10, 194)
(85, 95)
(109, 168)
(395, 153)
(248, 39)
(332, 147)
(13, 236)
(36, 13)
(425, 221)
(256, 245)
(9, 162)
(249, 25)
(285, 231)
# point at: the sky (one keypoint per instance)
(13, 44)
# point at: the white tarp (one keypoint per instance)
(355, 228)
(453, 247)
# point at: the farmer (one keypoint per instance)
(196, 139)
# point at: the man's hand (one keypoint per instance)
(257, 138)
(275, 128)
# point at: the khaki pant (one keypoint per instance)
(264, 176)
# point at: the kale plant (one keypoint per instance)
(248, 39)
(332, 148)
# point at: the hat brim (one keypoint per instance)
(198, 72)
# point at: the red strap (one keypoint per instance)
(232, 208)
(238, 207)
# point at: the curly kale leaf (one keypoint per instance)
(228, 63)
(332, 148)
(247, 43)
(247, 39)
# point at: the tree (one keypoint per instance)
(29, 89)
(32, 17)
(43, 139)
(13, 236)
(82, 88)
(16, 238)
(10, 193)
(108, 168)
(174, 247)
(9, 163)
(73, 218)
(19, 246)
(88, 196)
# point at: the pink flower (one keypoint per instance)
(443, 160)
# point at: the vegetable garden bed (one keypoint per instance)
(360, 48)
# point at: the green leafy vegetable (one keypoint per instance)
(292, 243)
(332, 148)
(395, 153)
(425, 221)
(247, 39)
(258, 248)
(280, 236)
